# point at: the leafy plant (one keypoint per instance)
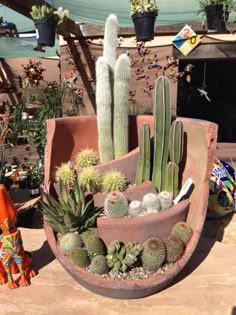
(44, 12)
(35, 175)
(227, 4)
(137, 6)
(72, 211)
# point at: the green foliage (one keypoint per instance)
(90, 179)
(137, 6)
(70, 241)
(121, 257)
(116, 205)
(86, 234)
(35, 175)
(99, 265)
(72, 212)
(154, 254)
(113, 181)
(44, 12)
(86, 157)
(79, 257)
(174, 248)
(227, 4)
(183, 231)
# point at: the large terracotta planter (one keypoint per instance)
(69, 134)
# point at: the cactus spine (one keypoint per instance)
(166, 199)
(162, 120)
(176, 153)
(110, 40)
(135, 208)
(143, 165)
(116, 205)
(94, 246)
(79, 257)
(152, 203)
(121, 95)
(104, 114)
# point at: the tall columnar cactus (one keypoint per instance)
(143, 164)
(112, 84)
(104, 114)
(162, 121)
(121, 95)
(176, 153)
(110, 40)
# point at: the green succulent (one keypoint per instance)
(90, 179)
(99, 265)
(72, 211)
(137, 6)
(94, 246)
(227, 4)
(44, 12)
(79, 257)
(70, 241)
(174, 248)
(153, 254)
(183, 231)
(86, 157)
(114, 181)
(64, 174)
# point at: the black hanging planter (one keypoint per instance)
(144, 24)
(216, 18)
(45, 30)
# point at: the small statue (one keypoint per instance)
(13, 258)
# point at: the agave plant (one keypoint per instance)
(72, 211)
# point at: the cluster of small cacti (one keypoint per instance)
(87, 250)
(122, 257)
(116, 204)
(86, 158)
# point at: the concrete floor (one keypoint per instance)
(206, 286)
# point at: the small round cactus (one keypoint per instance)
(166, 199)
(79, 257)
(90, 179)
(116, 205)
(86, 234)
(183, 231)
(174, 248)
(86, 158)
(114, 181)
(99, 265)
(64, 174)
(135, 208)
(69, 242)
(154, 254)
(151, 202)
(94, 245)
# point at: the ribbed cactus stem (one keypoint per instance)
(110, 40)
(104, 115)
(176, 141)
(121, 95)
(162, 120)
(143, 164)
(172, 178)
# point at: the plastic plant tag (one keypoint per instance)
(183, 190)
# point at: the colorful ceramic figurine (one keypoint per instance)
(13, 258)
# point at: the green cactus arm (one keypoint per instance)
(121, 94)
(172, 178)
(176, 141)
(143, 164)
(162, 120)
(104, 115)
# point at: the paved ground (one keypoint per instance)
(206, 286)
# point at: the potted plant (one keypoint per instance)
(143, 13)
(35, 178)
(46, 21)
(217, 13)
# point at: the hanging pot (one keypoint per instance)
(45, 32)
(216, 18)
(144, 24)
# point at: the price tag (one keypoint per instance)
(186, 40)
